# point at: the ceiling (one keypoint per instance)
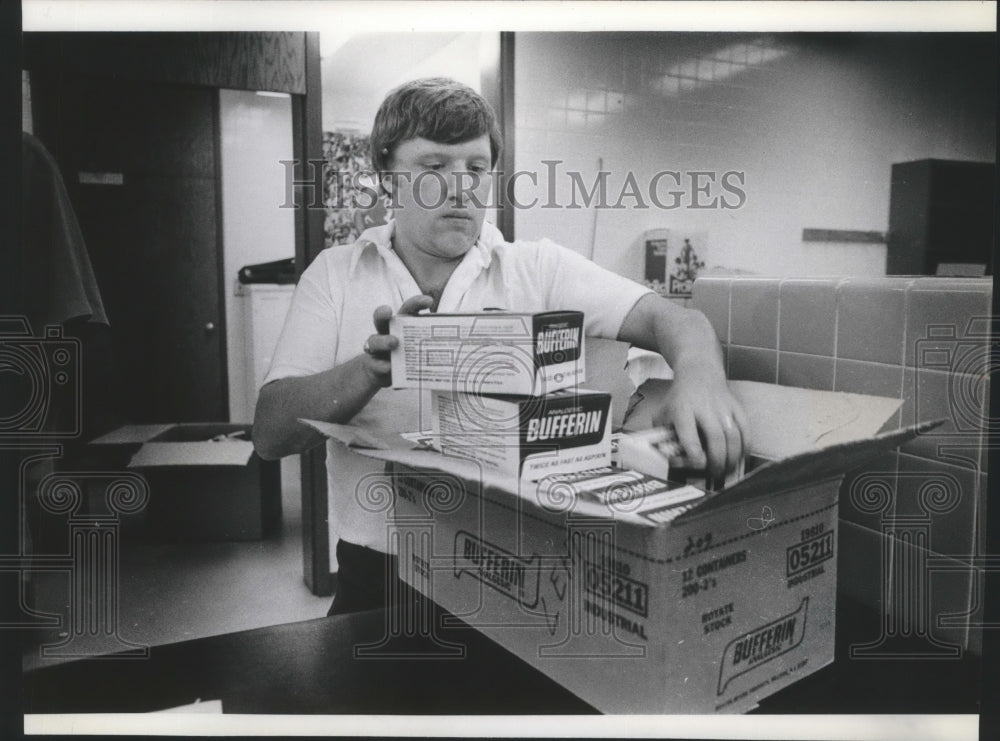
(359, 69)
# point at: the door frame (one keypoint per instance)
(307, 148)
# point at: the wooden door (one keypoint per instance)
(141, 163)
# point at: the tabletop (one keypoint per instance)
(375, 663)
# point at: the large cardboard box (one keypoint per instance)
(492, 352)
(206, 483)
(709, 610)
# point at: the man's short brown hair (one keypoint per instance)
(435, 108)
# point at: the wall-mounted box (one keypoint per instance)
(940, 211)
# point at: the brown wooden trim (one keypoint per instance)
(507, 43)
(307, 142)
(491, 86)
(843, 235)
(244, 61)
(220, 247)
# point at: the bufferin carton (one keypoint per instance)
(625, 490)
(711, 604)
(489, 352)
(524, 436)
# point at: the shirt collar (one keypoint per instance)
(380, 239)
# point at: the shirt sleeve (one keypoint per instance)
(308, 341)
(571, 281)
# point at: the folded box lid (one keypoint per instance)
(808, 467)
(787, 420)
(223, 453)
(807, 435)
(131, 434)
(196, 444)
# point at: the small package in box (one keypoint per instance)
(489, 353)
(657, 500)
(205, 481)
(705, 604)
(525, 436)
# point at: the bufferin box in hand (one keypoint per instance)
(525, 436)
(706, 605)
(489, 353)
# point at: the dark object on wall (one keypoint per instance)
(853, 236)
(276, 271)
(940, 211)
(656, 260)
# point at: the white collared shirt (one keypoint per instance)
(331, 317)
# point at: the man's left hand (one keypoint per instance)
(710, 423)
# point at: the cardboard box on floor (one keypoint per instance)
(205, 481)
(725, 605)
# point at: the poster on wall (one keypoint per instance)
(673, 261)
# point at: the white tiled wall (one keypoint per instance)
(814, 122)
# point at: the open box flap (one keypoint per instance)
(361, 437)
(131, 434)
(783, 420)
(809, 467)
(204, 453)
(787, 420)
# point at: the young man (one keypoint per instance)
(434, 143)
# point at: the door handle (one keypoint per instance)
(210, 326)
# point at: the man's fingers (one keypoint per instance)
(412, 305)
(734, 442)
(416, 304)
(381, 319)
(380, 345)
(740, 417)
(716, 449)
(687, 435)
(380, 369)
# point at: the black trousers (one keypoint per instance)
(367, 580)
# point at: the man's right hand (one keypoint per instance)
(379, 345)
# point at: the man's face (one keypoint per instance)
(439, 194)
